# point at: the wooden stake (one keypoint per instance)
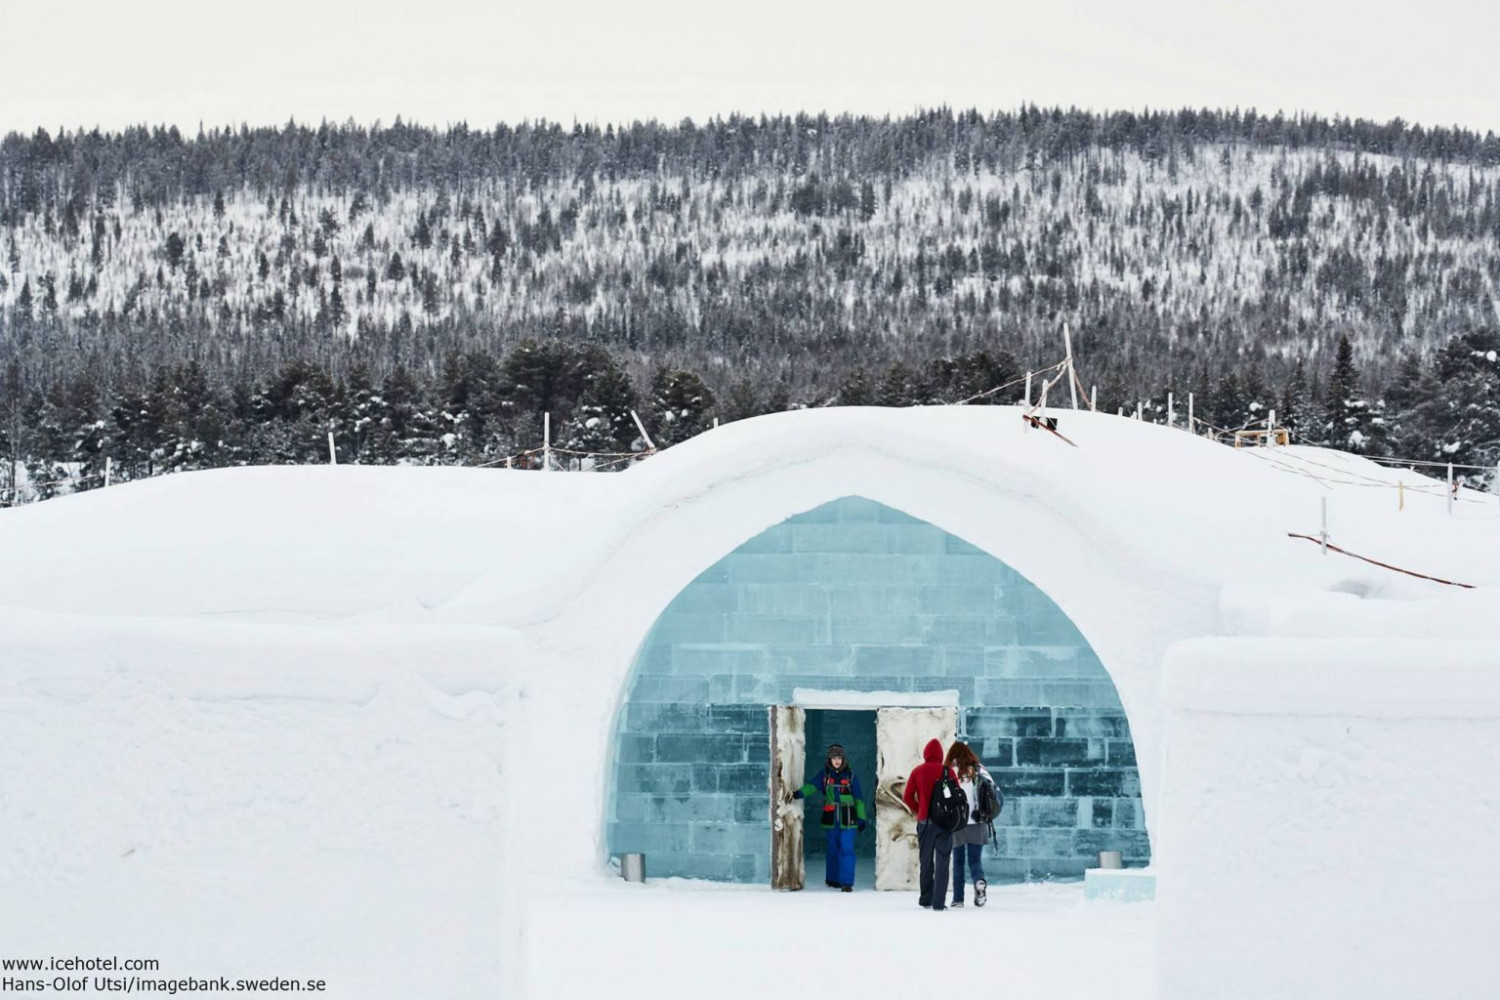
(1323, 534)
(1072, 374)
(547, 441)
(650, 445)
(333, 456)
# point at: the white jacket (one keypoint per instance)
(969, 834)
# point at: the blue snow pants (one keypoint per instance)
(840, 862)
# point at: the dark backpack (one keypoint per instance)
(949, 808)
(990, 800)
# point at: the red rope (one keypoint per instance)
(1376, 562)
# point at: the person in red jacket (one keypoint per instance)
(934, 847)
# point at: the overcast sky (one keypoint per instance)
(113, 63)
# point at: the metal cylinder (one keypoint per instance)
(1110, 859)
(633, 867)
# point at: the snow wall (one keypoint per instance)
(856, 596)
(1329, 809)
(215, 795)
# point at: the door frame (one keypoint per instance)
(788, 724)
(788, 732)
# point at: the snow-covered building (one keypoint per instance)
(1123, 628)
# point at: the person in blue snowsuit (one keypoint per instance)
(843, 815)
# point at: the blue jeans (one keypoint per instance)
(840, 863)
(975, 854)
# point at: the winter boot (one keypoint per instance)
(846, 888)
(981, 888)
(957, 902)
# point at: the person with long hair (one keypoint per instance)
(968, 842)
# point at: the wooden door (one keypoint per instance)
(788, 759)
(900, 735)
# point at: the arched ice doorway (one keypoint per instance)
(857, 596)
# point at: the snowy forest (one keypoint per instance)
(425, 296)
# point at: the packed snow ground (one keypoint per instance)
(670, 941)
(263, 721)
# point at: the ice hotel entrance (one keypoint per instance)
(844, 611)
(889, 740)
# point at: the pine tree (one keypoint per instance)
(175, 248)
(1346, 411)
(12, 392)
(1298, 411)
(741, 401)
(1468, 403)
(602, 420)
(1412, 401)
(681, 406)
(856, 389)
(1229, 409)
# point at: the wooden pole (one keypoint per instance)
(1192, 425)
(1094, 398)
(333, 456)
(1323, 534)
(108, 469)
(650, 445)
(547, 441)
(1450, 487)
(1271, 429)
(1400, 494)
(1028, 390)
(1072, 373)
(1171, 411)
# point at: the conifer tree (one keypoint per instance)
(681, 406)
(1298, 411)
(602, 421)
(1346, 411)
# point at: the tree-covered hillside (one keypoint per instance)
(427, 295)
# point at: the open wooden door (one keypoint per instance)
(788, 758)
(900, 735)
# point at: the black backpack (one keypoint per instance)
(949, 808)
(990, 800)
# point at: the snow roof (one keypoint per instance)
(435, 545)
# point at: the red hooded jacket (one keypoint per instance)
(918, 793)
